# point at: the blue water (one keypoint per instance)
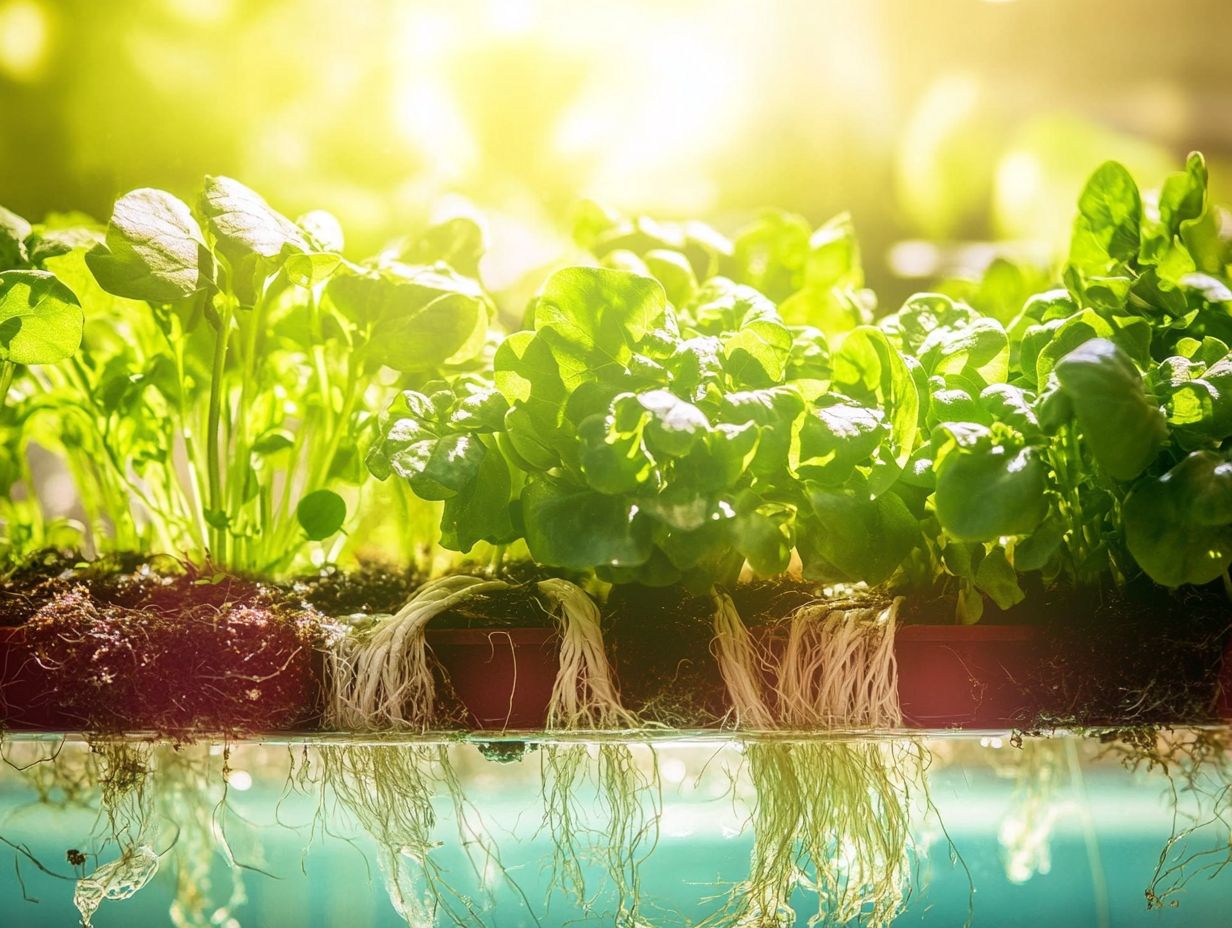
(1057, 832)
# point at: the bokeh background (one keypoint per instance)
(940, 125)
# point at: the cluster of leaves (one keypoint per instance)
(1088, 438)
(694, 403)
(206, 372)
(217, 377)
(660, 430)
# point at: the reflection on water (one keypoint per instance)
(936, 831)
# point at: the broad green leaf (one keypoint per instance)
(439, 468)
(1004, 289)
(460, 242)
(322, 230)
(1183, 195)
(532, 443)
(13, 234)
(478, 408)
(970, 606)
(681, 510)
(480, 512)
(40, 319)
(1009, 404)
(1199, 407)
(726, 456)
(1037, 549)
(243, 223)
(996, 577)
(72, 269)
(623, 260)
(613, 460)
(591, 221)
(834, 255)
(924, 315)
(764, 536)
(961, 559)
(45, 245)
(848, 536)
(674, 426)
(988, 491)
(833, 310)
(272, 442)
(755, 342)
(579, 529)
(1122, 426)
(757, 354)
(980, 346)
(368, 295)
(1107, 229)
(153, 250)
(835, 439)
(867, 363)
(320, 514)
(695, 363)
(810, 356)
(672, 269)
(447, 330)
(1179, 526)
(955, 405)
(770, 255)
(1057, 339)
(596, 315)
(1182, 201)
(311, 268)
(777, 412)
(693, 549)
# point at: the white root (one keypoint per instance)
(741, 666)
(835, 670)
(390, 789)
(382, 679)
(585, 695)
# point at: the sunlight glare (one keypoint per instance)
(24, 39)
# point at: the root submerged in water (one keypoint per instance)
(832, 818)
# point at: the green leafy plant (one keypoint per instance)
(692, 406)
(41, 323)
(217, 405)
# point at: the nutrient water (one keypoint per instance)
(939, 830)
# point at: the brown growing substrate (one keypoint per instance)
(370, 589)
(660, 641)
(1144, 655)
(170, 653)
(375, 589)
(229, 654)
(1140, 655)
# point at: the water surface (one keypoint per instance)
(1061, 831)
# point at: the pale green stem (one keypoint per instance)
(218, 536)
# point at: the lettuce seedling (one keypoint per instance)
(658, 444)
(1081, 462)
(40, 324)
(225, 422)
